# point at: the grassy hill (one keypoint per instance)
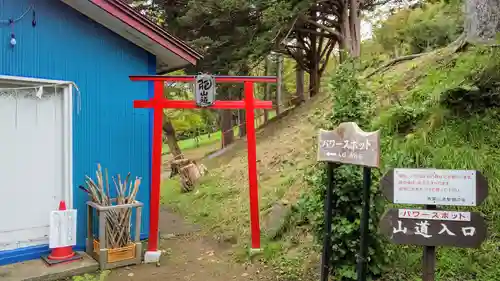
(437, 111)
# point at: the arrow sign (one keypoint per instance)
(435, 187)
(434, 228)
(349, 144)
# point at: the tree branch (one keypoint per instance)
(393, 62)
(298, 58)
(295, 47)
(325, 28)
(300, 40)
(329, 44)
(328, 35)
(327, 57)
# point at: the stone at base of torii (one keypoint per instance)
(255, 251)
(152, 256)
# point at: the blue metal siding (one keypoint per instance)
(66, 45)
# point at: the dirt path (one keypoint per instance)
(189, 257)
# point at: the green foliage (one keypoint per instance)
(481, 92)
(350, 103)
(399, 119)
(188, 123)
(447, 118)
(450, 120)
(372, 54)
(411, 31)
(230, 33)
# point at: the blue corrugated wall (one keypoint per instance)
(66, 45)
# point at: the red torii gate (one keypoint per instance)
(159, 102)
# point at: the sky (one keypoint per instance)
(366, 30)
(381, 13)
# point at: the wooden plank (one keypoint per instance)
(205, 90)
(433, 232)
(348, 144)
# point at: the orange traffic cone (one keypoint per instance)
(61, 254)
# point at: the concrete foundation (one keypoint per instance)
(38, 270)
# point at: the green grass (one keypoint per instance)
(100, 276)
(214, 137)
(422, 131)
(220, 202)
(191, 143)
(222, 209)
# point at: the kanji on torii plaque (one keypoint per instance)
(158, 102)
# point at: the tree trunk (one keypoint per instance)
(355, 28)
(313, 88)
(350, 28)
(314, 67)
(279, 85)
(299, 84)
(299, 77)
(482, 20)
(242, 126)
(345, 30)
(227, 127)
(169, 130)
(242, 117)
(314, 74)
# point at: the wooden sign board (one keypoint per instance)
(205, 90)
(349, 144)
(62, 228)
(434, 228)
(435, 187)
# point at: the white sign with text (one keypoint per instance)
(433, 215)
(435, 187)
(62, 228)
(205, 90)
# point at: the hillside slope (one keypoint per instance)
(284, 149)
(439, 111)
(443, 111)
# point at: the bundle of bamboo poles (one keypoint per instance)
(118, 221)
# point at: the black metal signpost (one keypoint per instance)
(325, 258)
(348, 144)
(431, 227)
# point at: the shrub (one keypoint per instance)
(351, 103)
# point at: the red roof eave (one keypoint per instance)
(134, 19)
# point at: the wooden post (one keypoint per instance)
(279, 85)
(365, 218)
(429, 257)
(267, 92)
(299, 86)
